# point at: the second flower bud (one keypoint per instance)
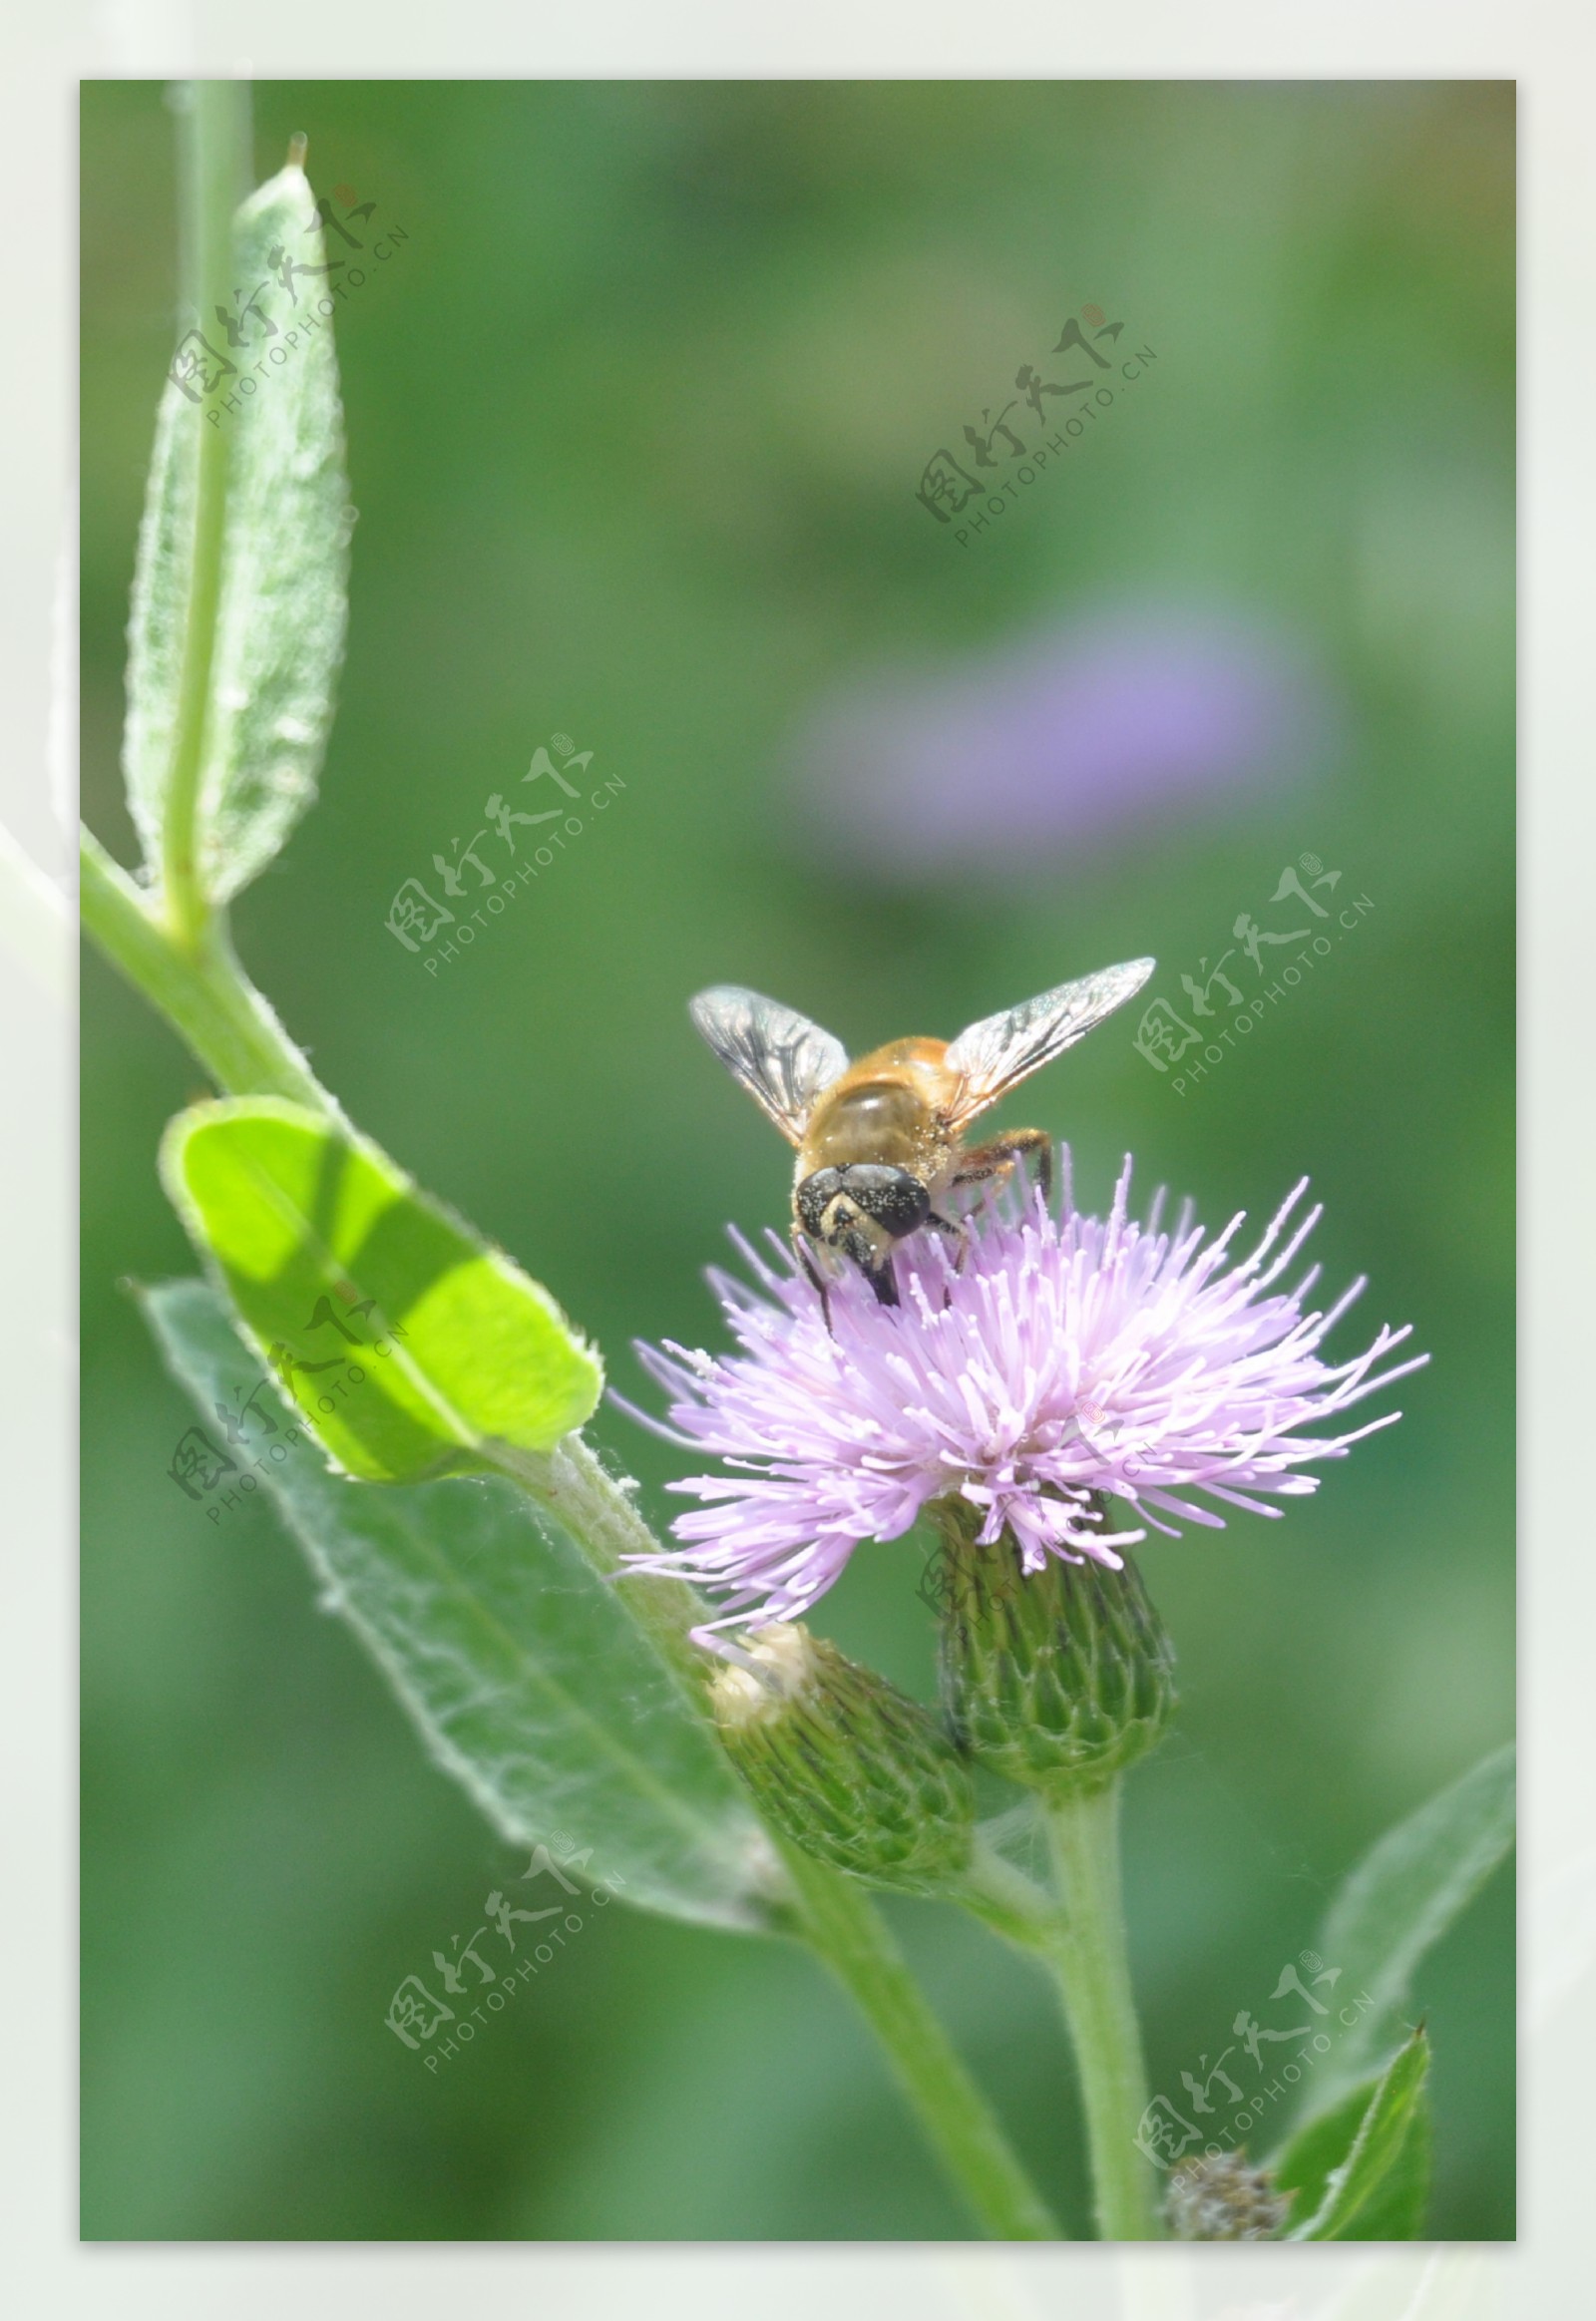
(853, 1771)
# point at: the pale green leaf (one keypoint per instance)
(1381, 2180)
(1304, 2162)
(162, 581)
(276, 430)
(410, 1346)
(522, 1669)
(1305, 2166)
(1402, 1898)
(1398, 2207)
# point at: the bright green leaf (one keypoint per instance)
(1306, 2164)
(1303, 2165)
(1386, 2164)
(277, 431)
(1402, 1898)
(1396, 2210)
(523, 1670)
(410, 1346)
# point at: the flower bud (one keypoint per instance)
(851, 1769)
(1056, 1678)
(1222, 2199)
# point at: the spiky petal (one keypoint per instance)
(1044, 1360)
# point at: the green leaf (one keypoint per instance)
(279, 590)
(1397, 2209)
(410, 1346)
(1304, 2165)
(1402, 1898)
(522, 1669)
(1383, 2177)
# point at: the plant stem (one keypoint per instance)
(1087, 1953)
(1008, 1901)
(596, 1512)
(845, 1929)
(201, 991)
(216, 175)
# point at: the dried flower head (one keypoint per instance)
(1224, 2198)
(1042, 1363)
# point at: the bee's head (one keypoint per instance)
(860, 1211)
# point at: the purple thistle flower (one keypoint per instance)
(1042, 1362)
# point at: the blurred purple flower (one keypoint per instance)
(1036, 753)
(1041, 1364)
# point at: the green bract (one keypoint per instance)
(850, 1768)
(1057, 1679)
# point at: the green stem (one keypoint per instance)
(845, 1929)
(1006, 1900)
(201, 991)
(216, 175)
(571, 1483)
(1087, 1954)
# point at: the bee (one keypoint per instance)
(881, 1143)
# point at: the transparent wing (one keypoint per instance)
(994, 1055)
(782, 1060)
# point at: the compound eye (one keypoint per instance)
(898, 1202)
(814, 1196)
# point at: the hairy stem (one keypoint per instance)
(1008, 1901)
(845, 1929)
(201, 989)
(597, 1512)
(1087, 1954)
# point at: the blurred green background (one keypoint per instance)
(636, 417)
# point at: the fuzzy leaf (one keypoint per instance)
(523, 1670)
(1385, 2174)
(409, 1344)
(1304, 2165)
(284, 558)
(1402, 1898)
(1396, 2210)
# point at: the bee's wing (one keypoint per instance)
(991, 1055)
(782, 1060)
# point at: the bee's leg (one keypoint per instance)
(945, 1225)
(813, 1271)
(884, 1282)
(999, 1157)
